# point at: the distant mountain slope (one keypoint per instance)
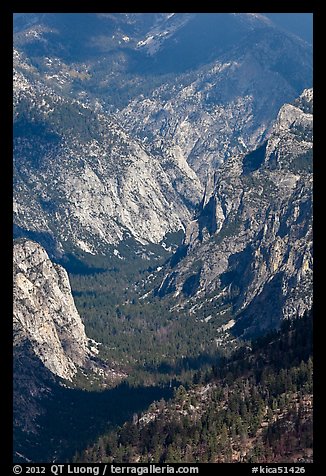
(79, 178)
(119, 117)
(300, 24)
(194, 88)
(224, 105)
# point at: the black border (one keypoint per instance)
(6, 189)
(6, 28)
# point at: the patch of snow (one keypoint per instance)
(84, 246)
(241, 141)
(167, 248)
(228, 325)
(145, 42)
(145, 295)
(208, 318)
(117, 254)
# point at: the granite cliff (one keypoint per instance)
(249, 249)
(44, 312)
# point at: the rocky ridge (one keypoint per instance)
(90, 172)
(250, 247)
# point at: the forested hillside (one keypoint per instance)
(255, 406)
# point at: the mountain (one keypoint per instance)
(300, 24)
(49, 337)
(249, 250)
(128, 120)
(80, 178)
(226, 104)
(162, 220)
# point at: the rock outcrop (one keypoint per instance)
(45, 315)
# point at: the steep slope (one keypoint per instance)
(49, 338)
(44, 312)
(117, 124)
(224, 104)
(122, 48)
(80, 179)
(255, 407)
(119, 121)
(249, 249)
(300, 24)
(83, 183)
(51, 352)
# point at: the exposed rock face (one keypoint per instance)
(251, 243)
(89, 183)
(227, 106)
(44, 311)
